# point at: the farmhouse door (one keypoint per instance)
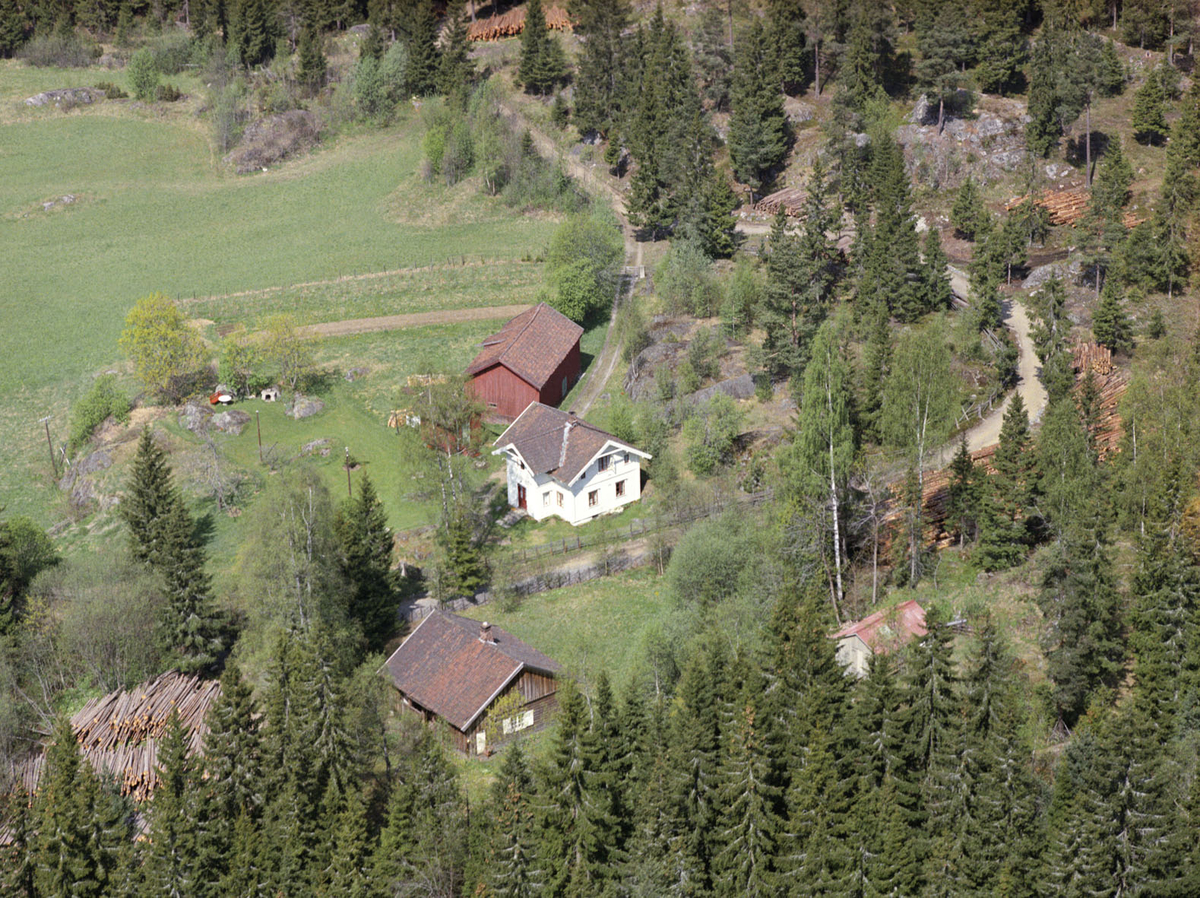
(521, 503)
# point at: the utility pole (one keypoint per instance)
(348, 494)
(258, 425)
(50, 445)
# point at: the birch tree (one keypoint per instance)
(824, 446)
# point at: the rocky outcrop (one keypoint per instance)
(986, 145)
(231, 421)
(196, 417)
(304, 407)
(66, 96)
(273, 139)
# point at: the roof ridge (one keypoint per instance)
(524, 327)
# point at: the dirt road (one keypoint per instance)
(352, 326)
(1033, 393)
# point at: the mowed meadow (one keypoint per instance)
(155, 210)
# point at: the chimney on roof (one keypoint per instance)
(485, 633)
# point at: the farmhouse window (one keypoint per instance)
(620, 487)
(560, 500)
(517, 722)
(626, 459)
(593, 497)
(602, 463)
(546, 500)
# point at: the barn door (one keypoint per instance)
(521, 502)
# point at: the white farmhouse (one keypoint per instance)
(559, 464)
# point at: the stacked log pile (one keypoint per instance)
(1110, 384)
(119, 733)
(790, 199)
(512, 23)
(1068, 207)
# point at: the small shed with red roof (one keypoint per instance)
(535, 357)
(878, 634)
(455, 670)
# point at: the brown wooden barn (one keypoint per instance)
(533, 358)
(456, 670)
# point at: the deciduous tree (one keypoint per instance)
(164, 349)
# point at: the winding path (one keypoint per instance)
(1029, 385)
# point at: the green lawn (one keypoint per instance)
(153, 212)
(600, 625)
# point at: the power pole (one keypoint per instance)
(50, 445)
(258, 425)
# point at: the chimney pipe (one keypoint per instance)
(485, 632)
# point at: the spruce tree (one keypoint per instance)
(456, 70)
(366, 561)
(348, 872)
(599, 91)
(876, 359)
(542, 63)
(758, 133)
(936, 278)
(1002, 48)
(1110, 324)
(252, 31)
(786, 34)
(968, 215)
(313, 66)
(1102, 228)
(963, 495)
(1185, 139)
(1042, 131)
(171, 861)
(149, 499)
(892, 264)
(1112, 72)
(515, 871)
(945, 41)
(1004, 528)
(713, 58)
(424, 58)
(1148, 118)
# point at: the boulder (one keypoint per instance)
(231, 421)
(304, 407)
(97, 461)
(317, 447)
(1064, 271)
(195, 417)
(273, 139)
(66, 96)
(797, 111)
(921, 112)
(355, 373)
(740, 387)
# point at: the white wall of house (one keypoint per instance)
(576, 504)
(854, 655)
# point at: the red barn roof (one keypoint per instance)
(532, 345)
(888, 628)
(447, 667)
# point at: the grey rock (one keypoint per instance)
(71, 96)
(740, 387)
(355, 373)
(861, 140)
(97, 461)
(231, 421)
(304, 407)
(1065, 271)
(195, 417)
(920, 113)
(797, 111)
(321, 446)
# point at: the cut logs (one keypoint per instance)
(790, 199)
(1068, 207)
(1110, 384)
(512, 23)
(119, 733)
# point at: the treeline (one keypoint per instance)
(727, 770)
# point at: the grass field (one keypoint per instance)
(153, 212)
(595, 626)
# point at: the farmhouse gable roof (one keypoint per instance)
(888, 628)
(557, 443)
(448, 667)
(532, 345)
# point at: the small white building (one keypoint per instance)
(561, 465)
(879, 633)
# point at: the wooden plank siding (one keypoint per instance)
(540, 692)
(553, 393)
(504, 394)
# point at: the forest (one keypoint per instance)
(873, 212)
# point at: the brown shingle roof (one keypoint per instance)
(444, 667)
(889, 627)
(555, 442)
(531, 345)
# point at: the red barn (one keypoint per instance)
(533, 358)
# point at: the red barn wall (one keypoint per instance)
(552, 393)
(505, 394)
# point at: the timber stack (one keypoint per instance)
(1068, 207)
(1109, 384)
(119, 733)
(512, 23)
(790, 199)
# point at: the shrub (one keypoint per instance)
(560, 112)
(105, 399)
(583, 264)
(143, 76)
(710, 434)
(60, 51)
(111, 91)
(171, 52)
(459, 155)
(167, 93)
(704, 352)
(632, 330)
(370, 95)
(685, 281)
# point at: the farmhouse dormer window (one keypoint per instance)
(602, 463)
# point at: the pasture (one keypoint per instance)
(155, 210)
